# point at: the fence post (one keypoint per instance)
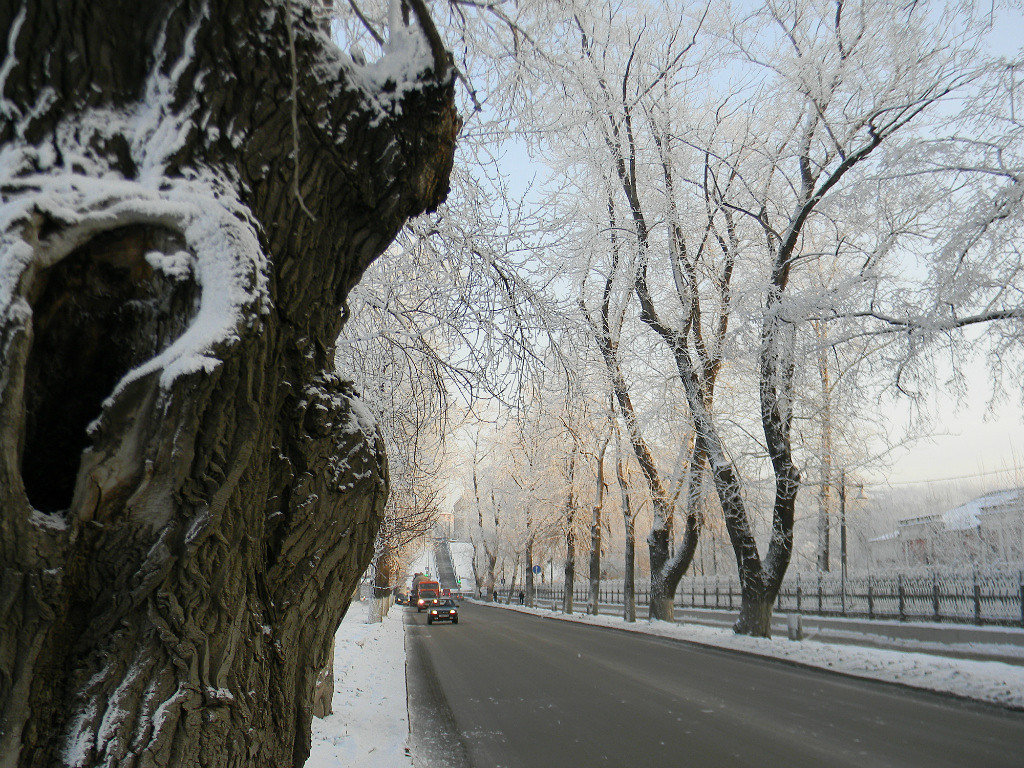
(935, 597)
(977, 599)
(899, 588)
(871, 600)
(798, 597)
(819, 593)
(717, 605)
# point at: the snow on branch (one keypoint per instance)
(411, 53)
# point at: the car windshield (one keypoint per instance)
(448, 603)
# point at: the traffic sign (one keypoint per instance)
(536, 569)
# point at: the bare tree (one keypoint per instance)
(826, 143)
(615, 98)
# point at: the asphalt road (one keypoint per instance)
(508, 690)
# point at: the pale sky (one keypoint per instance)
(973, 442)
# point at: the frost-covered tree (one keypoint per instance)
(188, 491)
(740, 145)
(618, 77)
(844, 82)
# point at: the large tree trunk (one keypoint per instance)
(478, 580)
(593, 603)
(531, 588)
(760, 581)
(825, 486)
(383, 568)
(512, 582)
(569, 570)
(188, 493)
(629, 525)
(755, 614)
(671, 570)
(594, 598)
(492, 560)
(629, 581)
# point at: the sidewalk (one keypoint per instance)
(370, 725)
(993, 682)
(958, 641)
(961, 641)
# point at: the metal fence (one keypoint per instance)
(995, 598)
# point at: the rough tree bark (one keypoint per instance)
(187, 491)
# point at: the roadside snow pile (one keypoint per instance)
(989, 681)
(370, 724)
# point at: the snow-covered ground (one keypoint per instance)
(370, 724)
(989, 681)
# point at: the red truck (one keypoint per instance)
(425, 592)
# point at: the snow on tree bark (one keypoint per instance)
(178, 549)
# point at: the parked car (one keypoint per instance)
(445, 610)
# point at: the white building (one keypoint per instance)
(988, 530)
